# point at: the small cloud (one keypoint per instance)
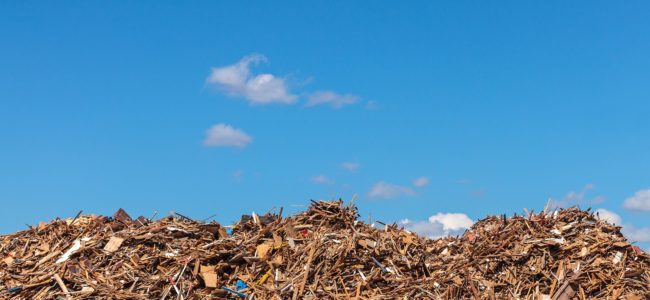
(238, 175)
(350, 166)
(388, 190)
(321, 179)
(576, 198)
(609, 216)
(333, 99)
(237, 80)
(634, 234)
(440, 225)
(224, 135)
(598, 200)
(424, 228)
(630, 231)
(371, 105)
(463, 181)
(478, 193)
(421, 181)
(639, 201)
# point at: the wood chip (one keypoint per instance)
(113, 244)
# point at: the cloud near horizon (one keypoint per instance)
(631, 232)
(634, 234)
(609, 216)
(224, 135)
(440, 225)
(576, 198)
(237, 80)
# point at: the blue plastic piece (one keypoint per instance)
(241, 295)
(241, 285)
(12, 290)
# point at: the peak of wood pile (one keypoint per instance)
(323, 253)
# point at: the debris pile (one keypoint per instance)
(323, 253)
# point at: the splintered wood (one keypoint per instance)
(113, 244)
(323, 253)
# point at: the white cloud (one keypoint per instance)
(237, 80)
(321, 179)
(609, 216)
(350, 166)
(634, 234)
(424, 228)
(452, 221)
(388, 190)
(331, 98)
(631, 232)
(640, 201)
(421, 181)
(371, 105)
(222, 135)
(440, 225)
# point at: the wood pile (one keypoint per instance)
(323, 253)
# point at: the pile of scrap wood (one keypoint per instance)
(323, 253)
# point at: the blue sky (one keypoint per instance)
(227, 107)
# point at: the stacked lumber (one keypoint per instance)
(325, 252)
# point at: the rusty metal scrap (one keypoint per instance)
(325, 252)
